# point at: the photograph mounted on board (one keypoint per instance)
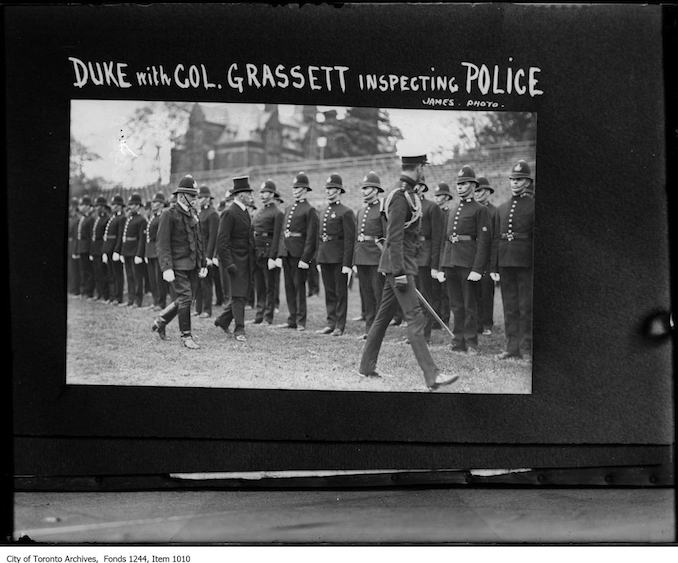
(300, 247)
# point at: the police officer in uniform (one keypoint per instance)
(131, 247)
(464, 257)
(96, 249)
(113, 231)
(512, 260)
(485, 287)
(398, 262)
(441, 302)
(336, 239)
(159, 288)
(371, 228)
(73, 265)
(209, 225)
(83, 241)
(235, 248)
(181, 257)
(296, 248)
(267, 223)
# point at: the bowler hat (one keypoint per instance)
(186, 186)
(268, 186)
(443, 189)
(204, 191)
(85, 200)
(159, 198)
(117, 200)
(334, 181)
(466, 174)
(301, 181)
(484, 184)
(521, 170)
(134, 199)
(371, 180)
(241, 184)
(101, 200)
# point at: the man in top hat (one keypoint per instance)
(336, 239)
(83, 241)
(131, 246)
(96, 249)
(267, 224)
(441, 302)
(110, 256)
(428, 257)
(464, 256)
(159, 287)
(209, 225)
(182, 259)
(371, 229)
(296, 248)
(73, 258)
(485, 287)
(398, 262)
(235, 249)
(512, 260)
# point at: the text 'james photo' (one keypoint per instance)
(300, 247)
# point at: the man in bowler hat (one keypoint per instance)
(398, 263)
(235, 249)
(182, 259)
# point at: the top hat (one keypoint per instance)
(268, 186)
(521, 170)
(158, 198)
(240, 184)
(443, 189)
(117, 200)
(301, 181)
(371, 180)
(101, 200)
(334, 181)
(187, 186)
(466, 174)
(85, 200)
(484, 184)
(134, 199)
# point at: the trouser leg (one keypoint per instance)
(153, 280)
(139, 276)
(260, 288)
(216, 279)
(455, 278)
(369, 299)
(510, 299)
(329, 284)
(183, 283)
(290, 269)
(269, 308)
(525, 306)
(424, 285)
(86, 275)
(375, 336)
(341, 292)
(238, 309)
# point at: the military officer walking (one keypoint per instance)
(82, 246)
(110, 256)
(371, 229)
(398, 263)
(96, 249)
(485, 287)
(296, 249)
(336, 239)
(181, 257)
(464, 257)
(131, 247)
(159, 288)
(235, 248)
(512, 260)
(440, 299)
(267, 224)
(209, 225)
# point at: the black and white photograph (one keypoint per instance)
(285, 294)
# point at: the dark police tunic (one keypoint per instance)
(267, 224)
(512, 259)
(428, 257)
(96, 250)
(131, 245)
(159, 287)
(466, 248)
(336, 239)
(403, 213)
(83, 242)
(116, 279)
(485, 287)
(209, 225)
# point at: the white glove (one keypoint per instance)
(441, 277)
(75, 256)
(474, 276)
(215, 261)
(91, 258)
(168, 275)
(346, 270)
(209, 262)
(202, 273)
(434, 273)
(317, 267)
(303, 265)
(116, 257)
(355, 269)
(278, 263)
(494, 276)
(146, 260)
(104, 258)
(271, 264)
(138, 260)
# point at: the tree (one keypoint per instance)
(497, 128)
(79, 157)
(362, 132)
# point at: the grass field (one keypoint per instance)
(110, 345)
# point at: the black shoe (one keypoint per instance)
(458, 348)
(221, 326)
(285, 325)
(370, 374)
(509, 356)
(159, 327)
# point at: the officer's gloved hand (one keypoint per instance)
(202, 273)
(215, 261)
(303, 265)
(434, 273)
(441, 277)
(401, 282)
(91, 258)
(116, 257)
(209, 262)
(271, 264)
(75, 256)
(494, 276)
(474, 276)
(346, 270)
(104, 259)
(146, 260)
(138, 260)
(168, 275)
(278, 263)
(355, 269)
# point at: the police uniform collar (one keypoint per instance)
(469, 199)
(411, 182)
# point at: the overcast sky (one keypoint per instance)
(101, 126)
